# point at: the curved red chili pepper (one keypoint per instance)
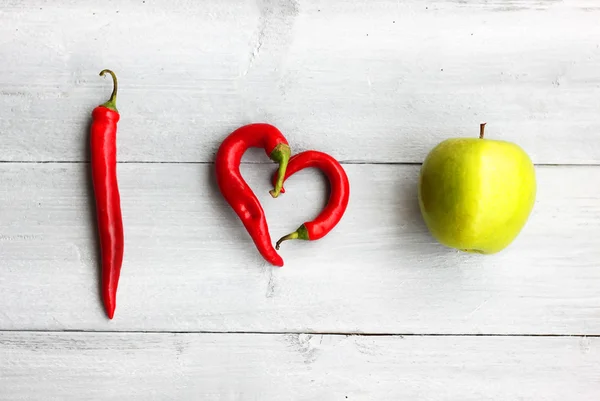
(338, 197)
(103, 137)
(238, 193)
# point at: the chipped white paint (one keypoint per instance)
(189, 264)
(86, 366)
(378, 81)
(373, 81)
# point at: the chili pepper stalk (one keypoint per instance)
(300, 233)
(281, 154)
(111, 103)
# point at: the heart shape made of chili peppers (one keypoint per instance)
(246, 205)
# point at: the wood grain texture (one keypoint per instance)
(375, 81)
(129, 366)
(190, 266)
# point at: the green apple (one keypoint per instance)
(476, 194)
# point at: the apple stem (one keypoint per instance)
(481, 130)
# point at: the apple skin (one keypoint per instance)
(476, 194)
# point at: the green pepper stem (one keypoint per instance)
(293, 235)
(300, 233)
(112, 102)
(280, 154)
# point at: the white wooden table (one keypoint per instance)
(375, 311)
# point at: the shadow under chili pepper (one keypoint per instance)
(95, 247)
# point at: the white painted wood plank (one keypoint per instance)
(367, 81)
(128, 366)
(189, 264)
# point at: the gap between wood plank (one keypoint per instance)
(346, 162)
(302, 332)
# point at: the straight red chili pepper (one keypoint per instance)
(103, 137)
(338, 196)
(238, 193)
